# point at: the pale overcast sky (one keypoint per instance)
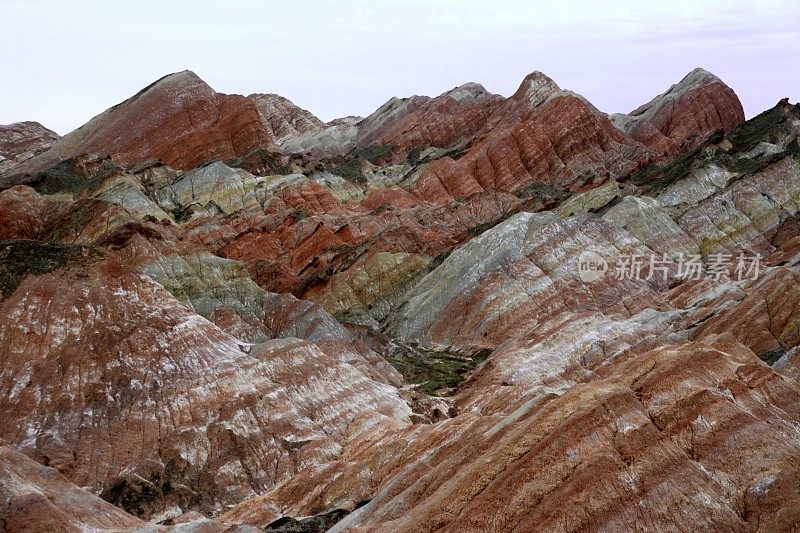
(66, 61)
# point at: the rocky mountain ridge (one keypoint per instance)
(219, 313)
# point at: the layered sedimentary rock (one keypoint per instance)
(149, 402)
(367, 290)
(386, 327)
(283, 118)
(37, 498)
(178, 119)
(336, 138)
(601, 450)
(523, 377)
(699, 105)
(24, 213)
(449, 120)
(21, 141)
(561, 143)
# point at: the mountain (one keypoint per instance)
(217, 311)
(178, 119)
(21, 141)
(283, 118)
(699, 105)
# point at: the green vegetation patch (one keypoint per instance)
(260, 162)
(373, 152)
(310, 524)
(772, 356)
(745, 166)
(22, 258)
(73, 222)
(771, 126)
(139, 493)
(436, 371)
(66, 177)
(542, 190)
(351, 170)
(415, 155)
(760, 128)
(655, 178)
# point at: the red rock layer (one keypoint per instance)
(306, 234)
(687, 437)
(767, 320)
(561, 143)
(37, 498)
(178, 119)
(21, 141)
(449, 119)
(24, 214)
(699, 105)
(282, 117)
(129, 387)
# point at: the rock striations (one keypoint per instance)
(21, 141)
(178, 119)
(699, 105)
(218, 313)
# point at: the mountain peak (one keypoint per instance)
(468, 91)
(183, 77)
(536, 88)
(688, 112)
(697, 75)
(178, 119)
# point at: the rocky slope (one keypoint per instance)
(380, 324)
(283, 118)
(38, 498)
(178, 119)
(21, 141)
(699, 105)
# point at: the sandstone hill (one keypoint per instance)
(219, 313)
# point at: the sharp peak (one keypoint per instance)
(535, 88)
(697, 75)
(470, 89)
(697, 78)
(538, 75)
(538, 79)
(184, 77)
(182, 74)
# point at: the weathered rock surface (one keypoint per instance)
(24, 213)
(21, 141)
(699, 105)
(283, 118)
(37, 498)
(336, 138)
(178, 119)
(601, 449)
(561, 143)
(150, 402)
(368, 289)
(384, 328)
(449, 120)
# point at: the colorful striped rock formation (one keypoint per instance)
(219, 313)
